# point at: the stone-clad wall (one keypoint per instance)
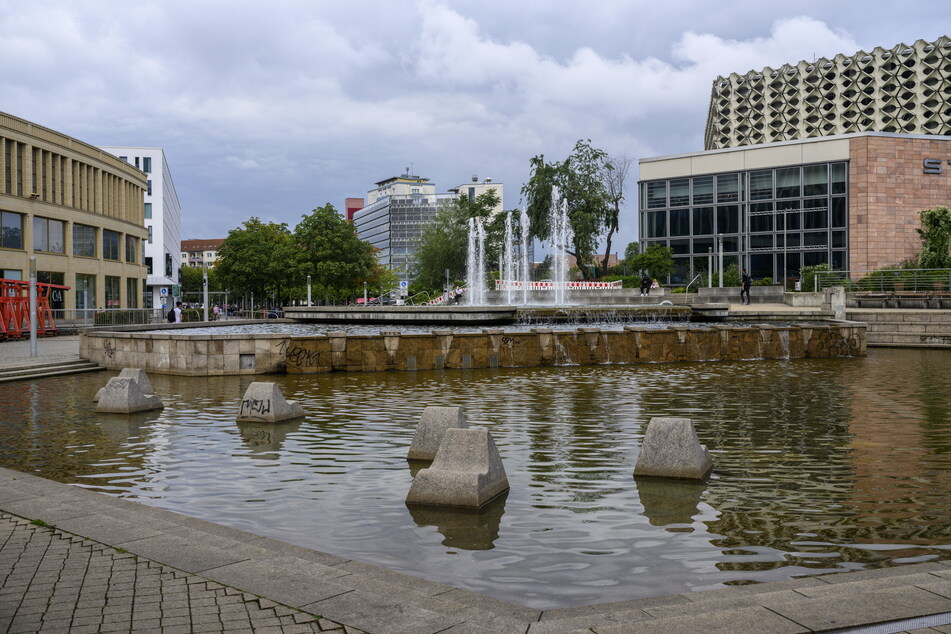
(230, 354)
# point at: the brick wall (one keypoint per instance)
(887, 190)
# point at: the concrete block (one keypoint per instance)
(264, 402)
(671, 449)
(137, 375)
(123, 396)
(433, 423)
(467, 472)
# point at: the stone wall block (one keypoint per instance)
(467, 472)
(671, 449)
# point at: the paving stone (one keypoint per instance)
(753, 619)
(376, 613)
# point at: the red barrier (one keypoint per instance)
(15, 308)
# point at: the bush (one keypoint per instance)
(809, 276)
(122, 317)
(766, 281)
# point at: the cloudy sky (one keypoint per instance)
(271, 109)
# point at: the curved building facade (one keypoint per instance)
(77, 209)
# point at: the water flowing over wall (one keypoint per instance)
(210, 354)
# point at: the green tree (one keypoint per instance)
(614, 176)
(338, 262)
(193, 281)
(258, 258)
(632, 251)
(580, 181)
(657, 260)
(935, 235)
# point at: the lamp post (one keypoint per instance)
(204, 281)
(308, 290)
(33, 306)
(85, 298)
(720, 256)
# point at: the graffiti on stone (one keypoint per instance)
(108, 349)
(251, 406)
(299, 356)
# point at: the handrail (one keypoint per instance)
(885, 280)
(687, 287)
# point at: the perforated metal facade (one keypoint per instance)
(904, 89)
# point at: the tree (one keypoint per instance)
(632, 251)
(258, 258)
(444, 241)
(614, 176)
(657, 260)
(580, 181)
(338, 262)
(193, 281)
(935, 235)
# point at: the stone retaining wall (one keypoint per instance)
(206, 355)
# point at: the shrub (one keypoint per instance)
(766, 281)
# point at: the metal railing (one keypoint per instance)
(886, 280)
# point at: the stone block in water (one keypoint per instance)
(467, 472)
(137, 375)
(432, 426)
(264, 402)
(123, 396)
(671, 449)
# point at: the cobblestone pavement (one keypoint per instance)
(52, 581)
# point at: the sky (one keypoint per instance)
(273, 109)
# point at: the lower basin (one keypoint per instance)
(821, 465)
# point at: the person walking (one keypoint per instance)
(646, 282)
(178, 313)
(747, 283)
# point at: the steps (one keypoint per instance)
(44, 369)
(897, 328)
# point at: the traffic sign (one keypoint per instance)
(404, 284)
(164, 291)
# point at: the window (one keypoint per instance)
(728, 189)
(148, 210)
(680, 192)
(838, 178)
(787, 182)
(150, 234)
(656, 194)
(703, 190)
(112, 291)
(764, 241)
(168, 265)
(838, 212)
(680, 222)
(657, 224)
(131, 249)
(728, 219)
(137, 162)
(132, 292)
(110, 245)
(147, 164)
(84, 241)
(149, 187)
(815, 180)
(85, 291)
(148, 265)
(48, 235)
(761, 185)
(11, 230)
(761, 223)
(703, 220)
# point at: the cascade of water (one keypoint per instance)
(508, 274)
(526, 278)
(561, 237)
(475, 263)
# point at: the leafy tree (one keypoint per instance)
(657, 260)
(193, 281)
(614, 176)
(632, 251)
(935, 235)
(580, 181)
(338, 262)
(258, 258)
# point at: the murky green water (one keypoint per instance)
(821, 465)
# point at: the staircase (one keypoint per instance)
(44, 369)
(904, 328)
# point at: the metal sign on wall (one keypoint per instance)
(933, 166)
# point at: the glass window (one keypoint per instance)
(790, 209)
(680, 192)
(815, 239)
(110, 245)
(761, 185)
(148, 265)
(760, 207)
(761, 265)
(656, 194)
(112, 291)
(147, 164)
(85, 291)
(132, 292)
(815, 258)
(793, 239)
(656, 224)
(815, 180)
(131, 248)
(731, 244)
(703, 245)
(703, 221)
(761, 223)
(779, 221)
(728, 189)
(11, 230)
(48, 235)
(728, 219)
(839, 218)
(703, 190)
(815, 215)
(838, 260)
(150, 234)
(84, 241)
(761, 241)
(787, 182)
(839, 175)
(148, 210)
(680, 247)
(838, 240)
(148, 184)
(679, 222)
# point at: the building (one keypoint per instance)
(163, 221)
(200, 252)
(780, 197)
(353, 205)
(902, 89)
(78, 210)
(474, 188)
(397, 211)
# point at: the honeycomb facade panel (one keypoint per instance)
(903, 89)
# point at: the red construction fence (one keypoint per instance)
(15, 309)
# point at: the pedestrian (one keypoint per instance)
(747, 283)
(178, 313)
(646, 282)
(217, 311)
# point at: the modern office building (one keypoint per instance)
(201, 252)
(397, 211)
(78, 210)
(902, 89)
(163, 221)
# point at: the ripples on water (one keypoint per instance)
(820, 465)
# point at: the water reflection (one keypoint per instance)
(463, 528)
(820, 465)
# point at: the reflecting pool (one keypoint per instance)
(820, 465)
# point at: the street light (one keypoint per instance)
(308, 290)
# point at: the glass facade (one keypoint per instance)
(771, 221)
